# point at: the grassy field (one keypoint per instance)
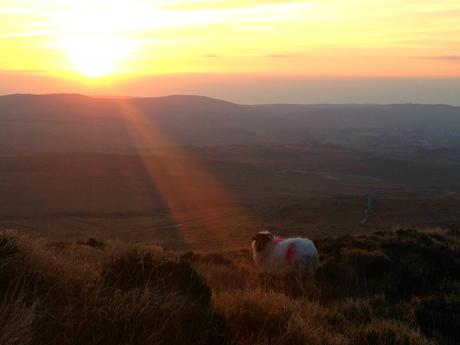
(75, 196)
(399, 288)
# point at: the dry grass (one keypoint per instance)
(398, 288)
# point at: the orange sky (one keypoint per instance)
(140, 37)
(95, 45)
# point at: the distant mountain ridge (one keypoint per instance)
(58, 122)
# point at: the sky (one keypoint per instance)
(250, 51)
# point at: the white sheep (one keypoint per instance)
(276, 254)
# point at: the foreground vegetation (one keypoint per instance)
(398, 288)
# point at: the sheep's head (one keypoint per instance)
(261, 240)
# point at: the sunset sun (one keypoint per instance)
(95, 56)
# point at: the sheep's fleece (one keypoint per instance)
(276, 254)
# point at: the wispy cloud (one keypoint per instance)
(210, 56)
(31, 34)
(14, 10)
(281, 56)
(268, 36)
(222, 4)
(442, 57)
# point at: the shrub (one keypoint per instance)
(217, 259)
(17, 272)
(16, 322)
(91, 242)
(295, 284)
(138, 269)
(210, 258)
(223, 278)
(349, 312)
(262, 317)
(107, 317)
(439, 316)
(354, 272)
(387, 332)
(420, 268)
(8, 246)
(255, 314)
(9, 252)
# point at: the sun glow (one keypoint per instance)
(97, 38)
(96, 56)
(307, 37)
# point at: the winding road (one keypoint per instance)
(367, 210)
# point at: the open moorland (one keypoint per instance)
(189, 172)
(127, 221)
(386, 288)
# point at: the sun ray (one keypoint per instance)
(201, 207)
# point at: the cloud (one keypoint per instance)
(27, 72)
(221, 4)
(14, 10)
(443, 57)
(281, 56)
(210, 56)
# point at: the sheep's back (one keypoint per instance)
(301, 250)
(307, 249)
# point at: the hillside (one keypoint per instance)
(174, 170)
(386, 288)
(57, 123)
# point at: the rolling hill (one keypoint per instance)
(170, 169)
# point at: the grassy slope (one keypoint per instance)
(312, 191)
(384, 288)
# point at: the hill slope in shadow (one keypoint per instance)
(388, 288)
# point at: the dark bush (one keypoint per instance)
(295, 284)
(419, 268)
(387, 332)
(13, 270)
(151, 270)
(16, 322)
(369, 264)
(135, 317)
(210, 258)
(440, 316)
(59, 246)
(92, 243)
(8, 247)
(216, 259)
(21, 277)
(354, 272)
(190, 257)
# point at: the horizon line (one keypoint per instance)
(99, 96)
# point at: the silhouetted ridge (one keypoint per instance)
(50, 123)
